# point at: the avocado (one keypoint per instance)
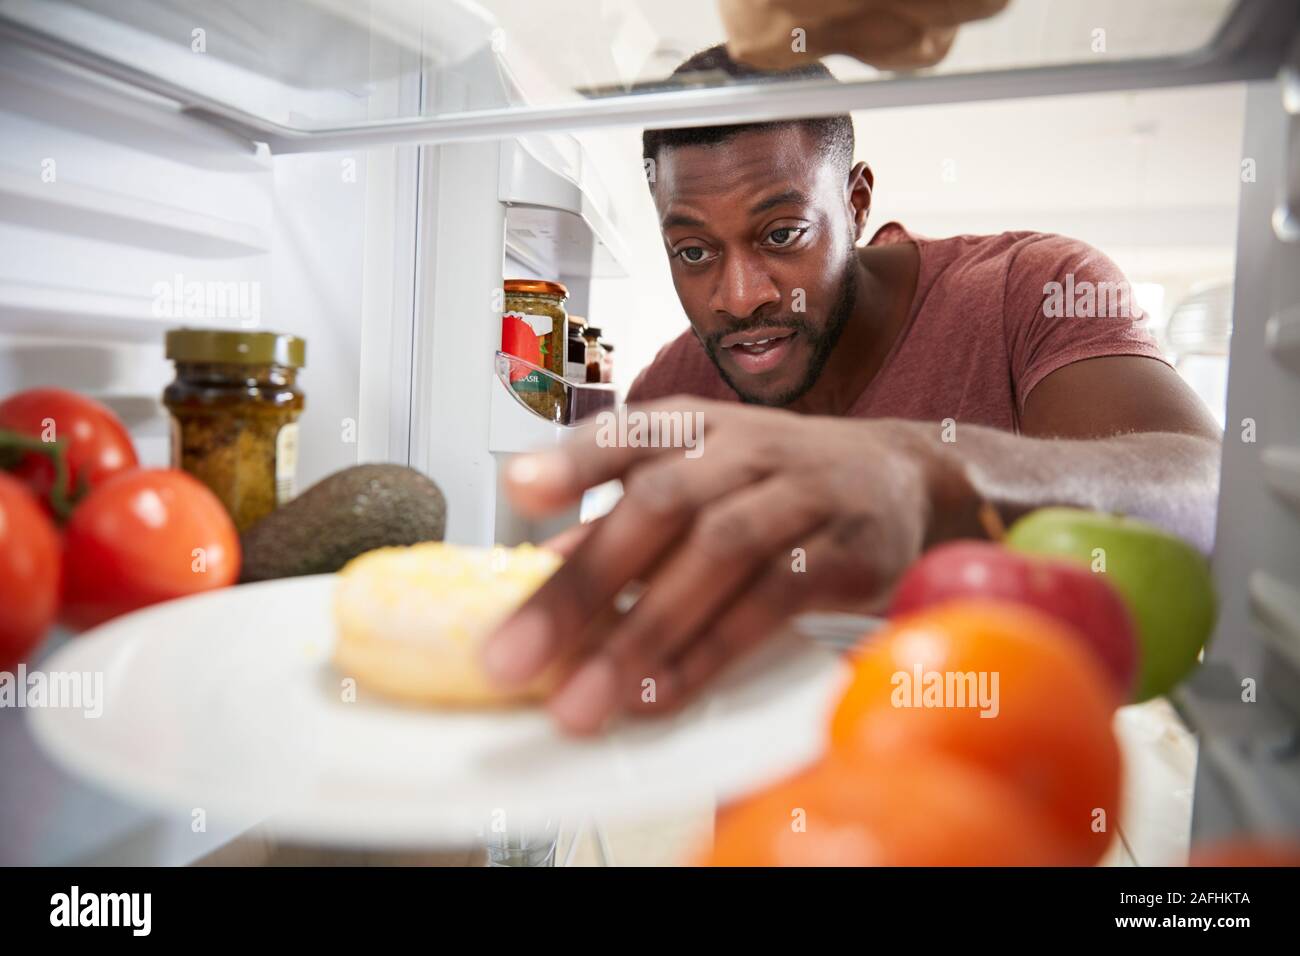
(352, 511)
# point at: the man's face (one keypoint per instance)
(760, 238)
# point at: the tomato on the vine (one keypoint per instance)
(142, 537)
(29, 572)
(95, 443)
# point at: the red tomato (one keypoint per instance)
(929, 681)
(144, 537)
(1066, 590)
(920, 809)
(29, 572)
(96, 442)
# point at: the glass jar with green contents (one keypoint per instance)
(235, 404)
(534, 327)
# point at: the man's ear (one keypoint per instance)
(861, 182)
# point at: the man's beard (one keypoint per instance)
(823, 342)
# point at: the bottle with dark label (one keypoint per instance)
(607, 361)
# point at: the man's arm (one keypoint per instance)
(711, 536)
(1122, 433)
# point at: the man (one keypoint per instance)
(860, 403)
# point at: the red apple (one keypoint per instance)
(1068, 591)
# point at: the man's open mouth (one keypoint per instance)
(760, 350)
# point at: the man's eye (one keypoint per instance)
(694, 254)
(784, 236)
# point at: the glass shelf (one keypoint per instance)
(321, 74)
(550, 397)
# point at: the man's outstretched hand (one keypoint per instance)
(778, 513)
(888, 34)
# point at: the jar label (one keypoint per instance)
(286, 463)
(541, 325)
(529, 337)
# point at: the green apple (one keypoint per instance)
(1165, 581)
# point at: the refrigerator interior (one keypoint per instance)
(365, 175)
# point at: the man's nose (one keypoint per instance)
(744, 286)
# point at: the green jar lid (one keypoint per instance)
(242, 348)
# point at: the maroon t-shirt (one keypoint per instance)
(992, 317)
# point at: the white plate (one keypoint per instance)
(226, 702)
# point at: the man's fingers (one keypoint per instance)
(554, 620)
(950, 13)
(819, 577)
(543, 482)
(658, 502)
(888, 34)
(938, 13)
(568, 540)
(888, 42)
(709, 565)
(759, 614)
(746, 624)
(547, 481)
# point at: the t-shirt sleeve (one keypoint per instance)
(1065, 302)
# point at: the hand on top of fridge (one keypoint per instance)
(774, 514)
(888, 34)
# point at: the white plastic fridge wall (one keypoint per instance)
(107, 199)
(111, 202)
(1245, 699)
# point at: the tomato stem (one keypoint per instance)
(12, 447)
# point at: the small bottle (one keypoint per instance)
(575, 363)
(607, 362)
(594, 353)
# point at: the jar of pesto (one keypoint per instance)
(534, 327)
(234, 406)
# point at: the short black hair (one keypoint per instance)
(833, 134)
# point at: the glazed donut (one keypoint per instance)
(412, 621)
